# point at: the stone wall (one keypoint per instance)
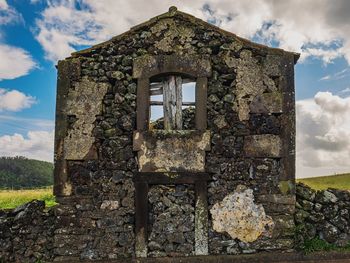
(250, 118)
(27, 233)
(171, 220)
(322, 214)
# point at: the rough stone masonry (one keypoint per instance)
(224, 186)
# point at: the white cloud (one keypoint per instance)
(34, 2)
(14, 100)
(37, 145)
(338, 75)
(8, 14)
(15, 62)
(346, 90)
(327, 77)
(323, 132)
(25, 124)
(66, 24)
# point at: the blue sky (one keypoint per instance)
(34, 34)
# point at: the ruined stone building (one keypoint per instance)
(210, 176)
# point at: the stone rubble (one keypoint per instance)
(322, 214)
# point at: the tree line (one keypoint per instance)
(19, 172)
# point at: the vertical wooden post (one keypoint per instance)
(201, 219)
(143, 99)
(141, 207)
(167, 104)
(201, 103)
(178, 113)
(172, 103)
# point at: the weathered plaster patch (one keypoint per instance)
(84, 102)
(239, 216)
(67, 189)
(267, 103)
(265, 145)
(175, 151)
(182, 33)
(272, 65)
(251, 84)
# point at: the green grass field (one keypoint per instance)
(13, 198)
(339, 181)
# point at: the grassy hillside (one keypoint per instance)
(20, 172)
(12, 198)
(339, 181)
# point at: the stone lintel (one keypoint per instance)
(148, 66)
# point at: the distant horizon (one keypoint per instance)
(312, 176)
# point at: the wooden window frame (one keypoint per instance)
(144, 68)
(171, 88)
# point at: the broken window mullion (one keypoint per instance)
(168, 85)
(178, 92)
(160, 103)
(156, 89)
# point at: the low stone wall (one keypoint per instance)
(322, 214)
(26, 233)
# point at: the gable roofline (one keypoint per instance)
(171, 13)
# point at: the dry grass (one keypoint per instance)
(339, 181)
(13, 198)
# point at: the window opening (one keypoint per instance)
(172, 103)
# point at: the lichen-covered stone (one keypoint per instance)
(26, 233)
(325, 197)
(239, 216)
(323, 214)
(109, 204)
(84, 102)
(171, 220)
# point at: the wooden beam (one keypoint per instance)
(186, 80)
(178, 110)
(155, 85)
(201, 219)
(170, 177)
(142, 102)
(160, 103)
(169, 103)
(141, 216)
(201, 103)
(156, 89)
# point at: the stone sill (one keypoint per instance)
(156, 134)
(171, 151)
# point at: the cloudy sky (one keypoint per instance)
(34, 34)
